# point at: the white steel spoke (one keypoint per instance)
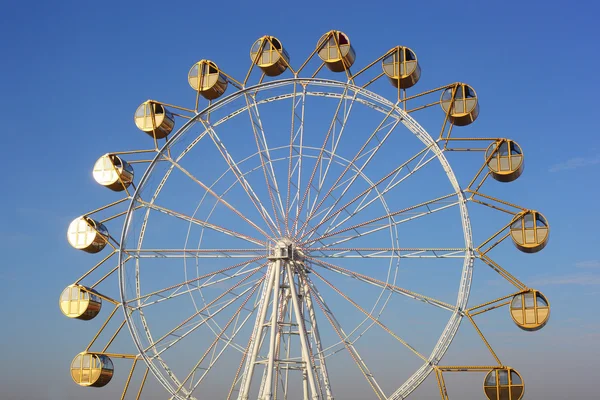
(344, 338)
(216, 340)
(370, 316)
(318, 160)
(389, 216)
(194, 253)
(265, 160)
(206, 307)
(389, 252)
(296, 133)
(332, 154)
(234, 167)
(394, 174)
(393, 223)
(176, 293)
(204, 224)
(219, 198)
(205, 318)
(208, 275)
(351, 164)
(383, 285)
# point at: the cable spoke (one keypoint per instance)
(203, 309)
(265, 159)
(218, 198)
(351, 163)
(233, 166)
(176, 293)
(205, 319)
(296, 133)
(344, 338)
(204, 224)
(321, 151)
(389, 252)
(332, 154)
(370, 316)
(392, 184)
(217, 339)
(383, 285)
(194, 253)
(390, 216)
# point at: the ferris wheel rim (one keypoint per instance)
(465, 281)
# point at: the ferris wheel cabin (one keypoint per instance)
(114, 173)
(154, 119)
(80, 302)
(461, 104)
(530, 310)
(503, 384)
(529, 231)
(402, 68)
(207, 79)
(336, 52)
(504, 160)
(269, 55)
(92, 369)
(87, 234)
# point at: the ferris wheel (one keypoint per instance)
(282, 240)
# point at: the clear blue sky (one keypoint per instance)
(73, 74)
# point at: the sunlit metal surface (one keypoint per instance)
(154, 119)
(503, 384)
(277, 260)
(530, 310)
(87, 234)
(206, 78)
(91, 369)
(402, 67)
(530, 231)
(269, 55)
(79, 302)
(114, 173)
(505, 160)
(461, 103)
(336, 52)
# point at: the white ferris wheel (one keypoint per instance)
(283, 239)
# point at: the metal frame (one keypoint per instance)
(292, 242)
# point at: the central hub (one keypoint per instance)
(285, 249)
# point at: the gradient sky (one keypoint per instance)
(73, 74)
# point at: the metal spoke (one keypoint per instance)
(296, 132)
(370, 316)
(383, 285)
(218, 198)
(194, 253)
(389, 252)
(318, 161)
(392, 174)
(233, 166)
(332, 154)
(388, 216)
(204, 224)
(205, 319)
(265, 159)
(176, 293)
(194, 315)
(210, 274)
(344, 338)
(217, 339)
(351, 163)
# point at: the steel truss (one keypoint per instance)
(302, 227)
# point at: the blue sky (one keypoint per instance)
(73, 74)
